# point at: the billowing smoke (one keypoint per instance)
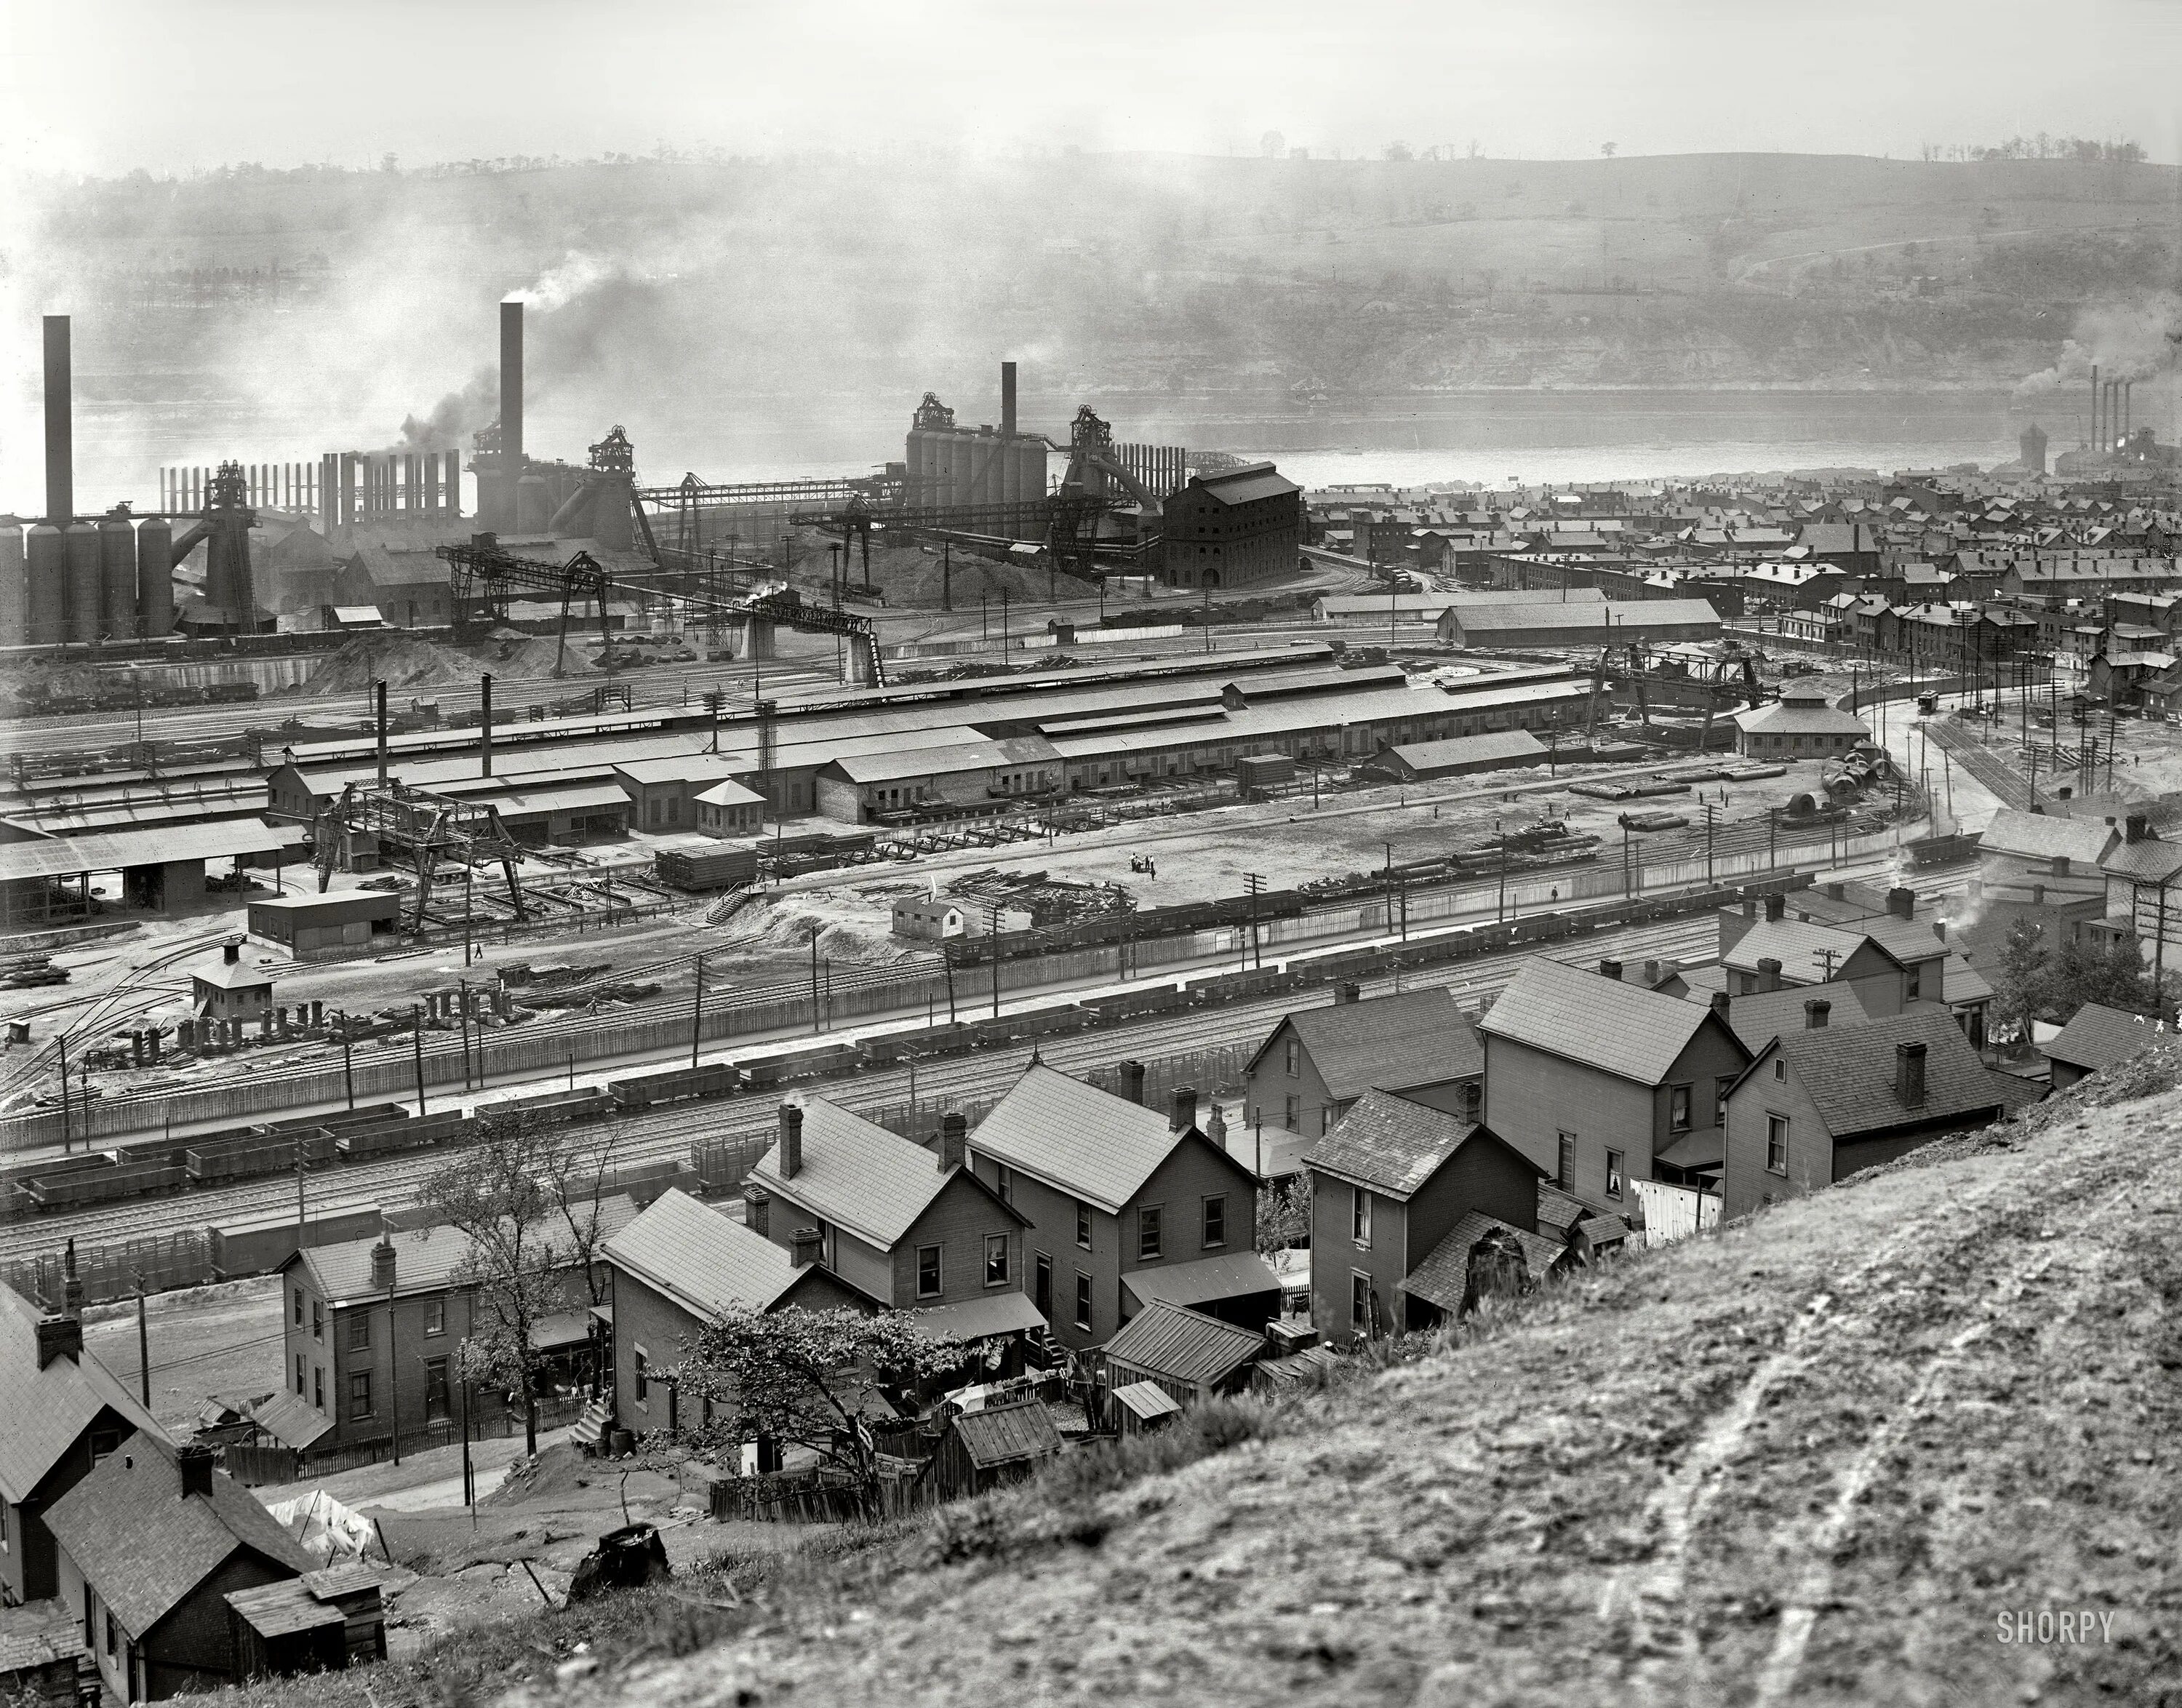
(2126, 340)
(558, 286)
(455, 417)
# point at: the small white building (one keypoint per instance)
(729, 809)
(932, 918)
(1802, 723)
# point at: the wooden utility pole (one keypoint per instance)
(143, 1349)
(417, 1040)
(697, 1013)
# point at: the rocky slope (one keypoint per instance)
(1813, 1458)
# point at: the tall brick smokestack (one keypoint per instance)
(60, 424)
(1008, 399)
(511, 392)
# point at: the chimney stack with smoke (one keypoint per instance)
(60, 425)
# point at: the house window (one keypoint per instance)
(299, 1307)
(359, 1331)
(1295, 1057)
(1776, 1144)
(317, 1321)
(1719, 1097)
(927, 1272)
(1565, 1163)
(104, 1443)
(435, 1390)
(1148, 1233)
(318, 1386)
(1325, 1119)
(1678, 1108)
(359, 1395)
(1007, 1182)
(1613, 1173)
(996, 1260)
(1042, 1285)
(1082, 1301)
(1916, 982)
(1083, 1226)
(1215, 1221)
(435, 1315)
(1289, 1109)
(1779, 1067)
(299, 1375)
(643, 1376)
(113, 1640)
(1360, 1217)
(1360, 1301)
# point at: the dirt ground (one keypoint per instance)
(1812, 1459)
(220, 1341)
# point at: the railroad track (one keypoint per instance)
(671, 1132)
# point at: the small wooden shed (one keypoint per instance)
(988, 1450)
(1141, 1407)
(322, 1622)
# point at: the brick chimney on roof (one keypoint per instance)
(382, 1265)
(1132, 1081)
(195, 1463)
(1769, 974)
(1185, 1109)
(1816, 1011)
(791, 1140)
(1909, 1075)
(1902, 902)
(1776, 906)
(808, 1242)
(1719, 1003)
(1610, 969)
(71, 1282)
(757, 1207)
(954, 1140)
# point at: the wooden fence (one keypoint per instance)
(260, 1467)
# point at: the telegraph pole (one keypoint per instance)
(144, 1345)
(697, 1014)
(417, 1038)
(1710, 811)
(348, 1062)
(1253, 885)
(993, 938)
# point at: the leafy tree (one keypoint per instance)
(2109, 971)
(1283, 1216)
(528, 1199)
(811, 1378)
(2020, 991)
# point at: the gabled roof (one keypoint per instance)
(1205, 1281)
(145, 1545)
(857, 1175)
(2099, 1036)
(1252, 481)
(1620, 1028)
(1848, 1072)
(702, 1260)
(426, 1260)
(1809, 954)
(1386, 1043)
(1758, 1019)
(48, 1410)
(1182, 1344)
(1393, 1146)
(1099, 1147)
(2148, 862)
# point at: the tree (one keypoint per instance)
(1283, 1216)
(1608, 148)
(2019, 991)
(528, 1199)
(2106, 970)
(811, 1378)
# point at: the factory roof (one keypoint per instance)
(70, 857)
(1466, 752)
(1247, 485)
(955, 757)
(1483, 624)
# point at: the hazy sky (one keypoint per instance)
(109, 85)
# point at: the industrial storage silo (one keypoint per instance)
(45, 568)
(86, 581)
(155, 578)
(116, 576)
(15, 604)
(534, 504)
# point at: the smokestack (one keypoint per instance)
(1008, 399)
(1909, 1075)
(510, 395)
(2097, 438)
(485, 709)
(60, 425)
(379, 694)
(2127, 408)
(954, 1140)
(791, 1140)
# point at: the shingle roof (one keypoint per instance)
(1760, 1017)
(1182, 1344)
(1100, 1147)
(1390, 1145)
(425, 1259)
(2045, 835)
(2148, 862)
(1387, 1043)
(1007, 1435)
(1810, 953)
(856, 1174)
(48, 1409)
(1620, 1028)
(698, 1257)
(1443, 1276)
(145, 1545)
(1849, 1073)
(36, 1634)
(2099, 1036)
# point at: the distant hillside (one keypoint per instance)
(1812, 1459)
(761, 288)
